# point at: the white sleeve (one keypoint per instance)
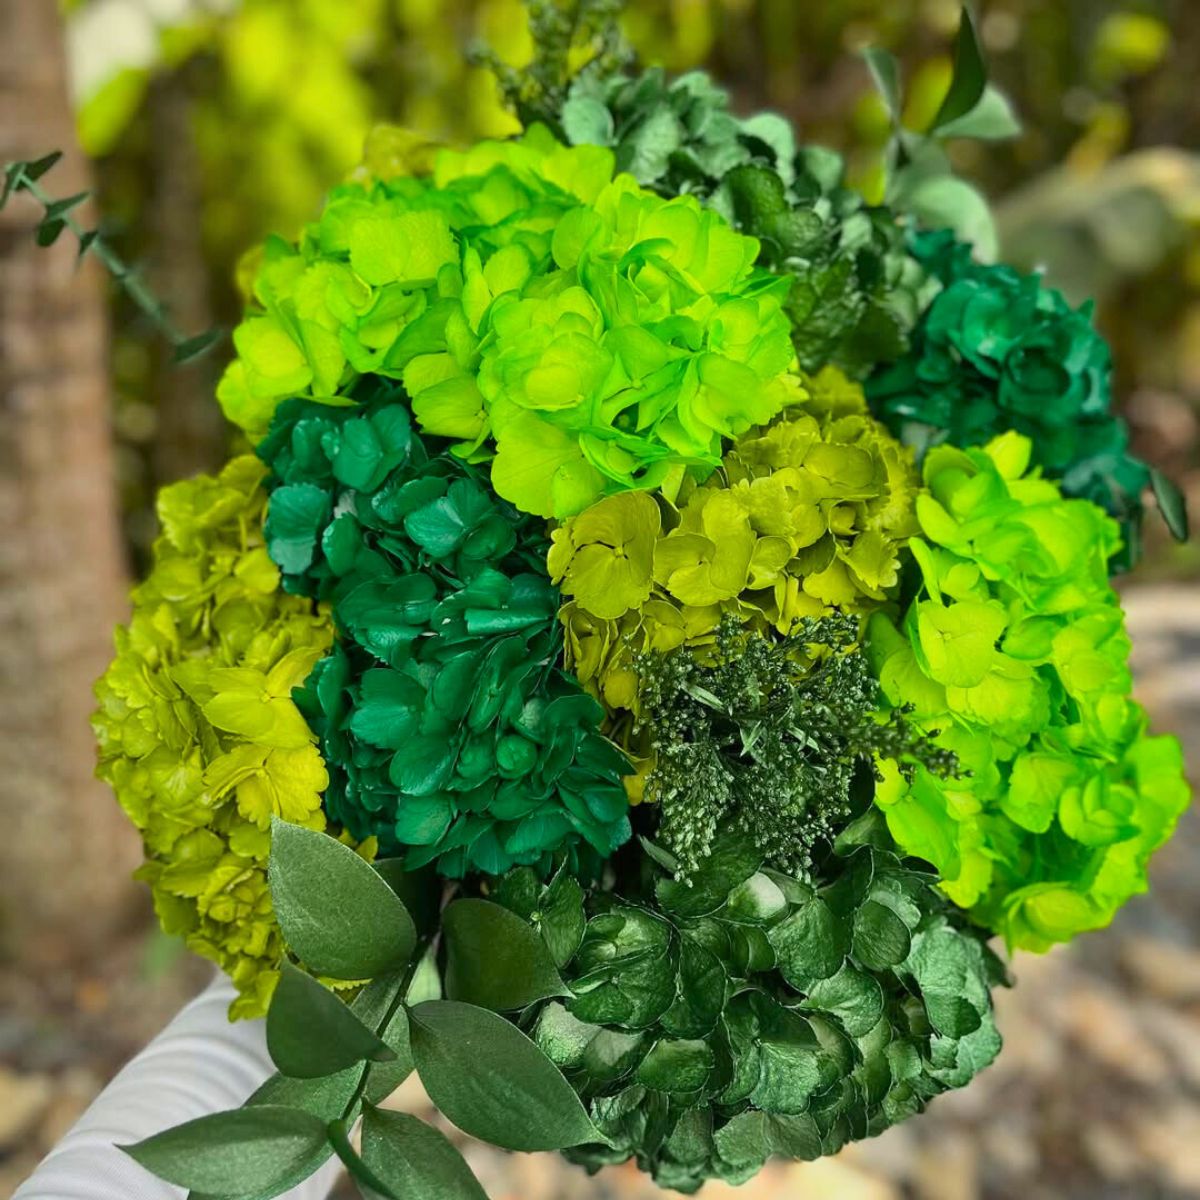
(199, 1064)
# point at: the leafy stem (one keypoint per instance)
(58, 217)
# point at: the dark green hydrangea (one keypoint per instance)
(857, 290)
(998, 350)
(750, 1015)
(449, 731)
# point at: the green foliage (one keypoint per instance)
(807, 515)
(756, 1014)
(198, 733)
(57, 218)
(1013, 655)
(484, 1073)
(856, 290)
(997, 350)
(764, 737)
(450, 732)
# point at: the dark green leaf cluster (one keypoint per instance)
(857, 291)
(337, 1062)
(998, 350)
(447, 727)
(752, 1014)
(765, 736)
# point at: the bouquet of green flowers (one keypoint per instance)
(662, 631)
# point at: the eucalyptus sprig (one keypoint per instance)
(57, 219)
(345, 921)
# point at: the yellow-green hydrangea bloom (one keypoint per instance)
(582, 335)
(806, 516)
(198, 733)
(1014, 655)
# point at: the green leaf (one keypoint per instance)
(192, 348)
(496, 960)
(337, 915)
(733, 861)
(948, 203)
(969, 80)
(311, 1033)
(60, 208)
(992, 119)
(487, 1077)
(811, 944)
(586, 121)
(36, 169)
(233, 1153)
(1171, 503)
(48, 231)
(415, 1161)
(885, 70)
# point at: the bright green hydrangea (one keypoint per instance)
(198, 733)
(582, 334)
(1014, 654)
(806, 516)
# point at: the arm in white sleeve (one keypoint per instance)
(199, 1064)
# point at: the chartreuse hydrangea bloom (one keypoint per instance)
(1013, 654)
(450, 732)
(583, 335)
(198, 733)
(807, 515)
(752, 1014)
(997, 351)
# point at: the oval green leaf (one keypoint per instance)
(496, 960)
(488, 1078)
(234, 1153)
(311, 1033)
(338, 916)
(414, 1160)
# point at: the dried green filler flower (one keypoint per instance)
(449, 730)
(764, 735)
(753, 1014)
(1000, 351)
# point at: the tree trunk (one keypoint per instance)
(66, 850)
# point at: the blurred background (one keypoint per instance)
(204, 125)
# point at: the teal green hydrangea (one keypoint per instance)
(198, 733)
(580, 334)
(449, 730)
(751, 1015)
(997, 350)
(1013, 655)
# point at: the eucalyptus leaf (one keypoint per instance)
(337, 915)
(238, 1153)
(969, 79)
(414, 1160)
(992, 119)
(487, 1077)
(885, 70)
(311, 1033)
(1171, 503)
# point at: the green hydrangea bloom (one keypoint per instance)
(857, 290)
(584, 335)
(1013, 655)
(198, 733)
(752, 1015)
(807, 515)
(450, 733)
(997, 350)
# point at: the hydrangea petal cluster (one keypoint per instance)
(997, 350)
(807, 515)
(450, 732)
(750, 1015)
(1014, 655)
(199, 736)
(586, 335)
